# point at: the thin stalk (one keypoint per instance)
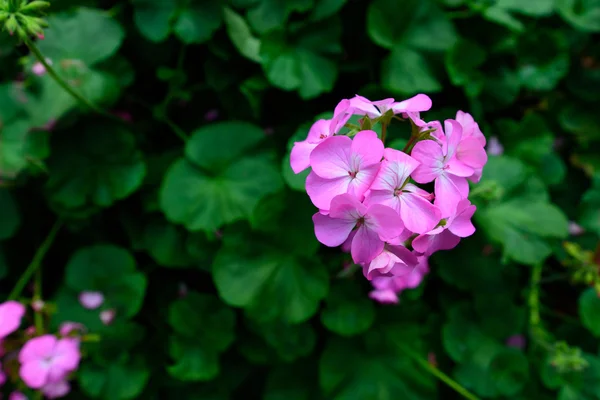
(37, 295)
(439, 374)
(383, 132)
(36, 262)
(61, 82)
(533, 300)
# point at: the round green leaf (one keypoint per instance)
(241, 36)
(407, 72)
(267, 283)
(153, 18)
(115, 381)
(20, 149)
(95, 168)
(510, 371)
(589, 310)
(72, 32)
(194, 362)
(347, 310)
(9, 215)
(197, 22)
(111, 270)
(582, 14)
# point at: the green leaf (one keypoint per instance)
(205, 319)
(218, 145)
(116, 381)
(419, 24)
(347, 310)
(407, 72)
(544, 59)
(197, 22)
(590, 207)
(582, 14)
(273, 14)
(153, 18)
(21, 148)
(194, 362)
(97, 167)
(347, 371)
(462, 61)
(510, 371)
(10, 219)
(501, 16)
(326, 8)
(110, 270)
(3, 264)
(534, 8)
(241, 36)
(269, 283)
(290, 342)
(72, 32)
(589, 310)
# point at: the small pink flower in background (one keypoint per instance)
(124, 115)
(494, 147)
(342, 165)
(387, 288)
(68, 327)
(11, 313)
(458, 225)
(516, 341)
(107, 316)
(56, 390)
(211, 115)
(39, 69)
(391, 188)
(91, 300)
(2, 376)
(38, 305)
(47, 359)
(30, 331)
(575, 229)
(300, 155)
(17, 396)
(376, 224)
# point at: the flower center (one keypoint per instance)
(397, 192)
(352, 174)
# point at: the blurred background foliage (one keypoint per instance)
(186, 215)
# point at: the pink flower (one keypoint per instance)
(11, 313)
(39, 69)
(342, 165)
(17, 396)
(107, 316)
(458, 225)
(47, 359)
(376, 224)
(438, 162)
(67, 327)
(391, 261)
(494, 147)
(387, 288)
(516, 341)
(575, 229)
(391, 188)
(470, 127)
(470, 150)
(211, 115)
(55, 390)
(300, 155)
(91, 300)
(38, 305)
(362, 106)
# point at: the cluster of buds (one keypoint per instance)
(23, 17)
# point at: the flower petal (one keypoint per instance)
(418, 103)
(332, 232)
(319, 131)
(461, 225)
(418, 214)
(470, 152)
(429, 244)
(449, 190)
(367, 148)
(429, 154)
(366, 245)
(34, 373)
(332, 157)
(322, 191)
(385, 221)
(453, 131)
(300, 156)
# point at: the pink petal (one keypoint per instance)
(418, 214)
(367, 149)
(455, 167)
(380, 265)
(332, 232)
(322, 191)
(319, 131)
(453, 131)
(384, 296)
(470, 152)
(394, 171)
(429, 244)
(37, 348)
(300, 156)
(91, 300)
(332, 158)
(34, 373)
(384, 220)
(449, 190)
(366, 245)
(11, 313)
(385, 198)
(56, 390)
(470, 127)
(429, 154)
(67, 355)
(347, 245)
(359, 185)
(418, 103)
(461, 225)
(363, 106)
(17, 396)
(346, 206)
(341, 115)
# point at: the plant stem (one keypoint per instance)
(383, 132)
(534, 295)
(61, 82)
(37, 295)
(439, 374)
(409, 144)
(36, 262)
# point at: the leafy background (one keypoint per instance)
(190, 221)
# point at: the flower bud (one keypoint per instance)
(35, 6)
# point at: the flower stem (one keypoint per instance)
(61, 82)
(383, 132)
(439, 374)
(37, 295)
(36, 262)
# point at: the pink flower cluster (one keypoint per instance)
(368, 196)
(45, 361)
